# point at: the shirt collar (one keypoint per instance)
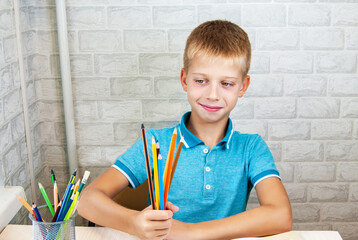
(190, 140)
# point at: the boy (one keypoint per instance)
(217, 167)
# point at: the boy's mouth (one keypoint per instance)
(211, 108)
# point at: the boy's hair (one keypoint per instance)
(219, 38)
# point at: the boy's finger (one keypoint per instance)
(147, 208)
(172, 207)
(161, 224)
(161, 233)
(158, 214)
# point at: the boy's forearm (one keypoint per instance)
(99, 208)
(260, 221)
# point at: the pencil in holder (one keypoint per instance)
(64, 230)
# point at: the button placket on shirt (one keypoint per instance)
(208, 174)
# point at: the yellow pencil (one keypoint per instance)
(156, 177)
(73, 204)
(26, 205)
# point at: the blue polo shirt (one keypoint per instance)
(208, 184)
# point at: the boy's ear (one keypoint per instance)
(245, 85)
(183, 79)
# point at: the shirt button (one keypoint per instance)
(207, 169)
(205, 150)
(208, 187)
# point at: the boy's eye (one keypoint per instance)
(200, 81)
(227, 84)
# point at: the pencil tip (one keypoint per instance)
(182, 138)
(142, 126)
(175, 130)
(153, 140)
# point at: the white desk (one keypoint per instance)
(24, 232)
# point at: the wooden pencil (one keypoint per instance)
(160, 173)
(37, 213)
(168, 166)
(147, 164)
(156, 177)
(55, 196)
(26, 205)
(177, 154)
(48, 202)
(57, 212)
(169, 162)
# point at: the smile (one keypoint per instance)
(211, 108)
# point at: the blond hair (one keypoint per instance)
(219, 38)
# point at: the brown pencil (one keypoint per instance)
(177, 154)
(57, 211)
(147, 164)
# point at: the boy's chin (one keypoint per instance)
(212, 117)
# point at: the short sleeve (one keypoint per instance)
(261, 164)
(132, 163)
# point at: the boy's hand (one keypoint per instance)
(154, 224)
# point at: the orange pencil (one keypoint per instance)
(169, 162)
(177, 154)
(77, 186)
(147, 164)
(168, 166)
(26, 205)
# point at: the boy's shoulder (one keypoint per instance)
(245, 136)
(247, 139)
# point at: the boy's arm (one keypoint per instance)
(273, 216)
(96, 205)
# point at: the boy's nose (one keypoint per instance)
(213, 92)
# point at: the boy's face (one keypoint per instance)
(213, 87)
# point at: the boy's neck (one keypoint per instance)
(210, 133)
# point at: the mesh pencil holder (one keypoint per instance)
(64, 230)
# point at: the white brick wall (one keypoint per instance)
(126, 58)
(13, 151)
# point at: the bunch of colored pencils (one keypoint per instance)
(60, 210)
(162, 179)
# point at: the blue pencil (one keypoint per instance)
(65, 197)
(66, 209)
(37, 213)
(160, 173)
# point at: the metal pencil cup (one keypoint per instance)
(64, 230)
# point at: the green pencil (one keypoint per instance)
(53, 178)
(46, 199)
(69, 212)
